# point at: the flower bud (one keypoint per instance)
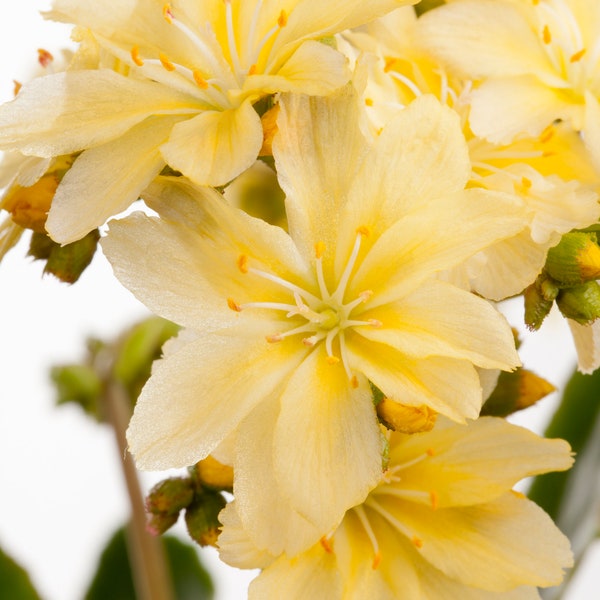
(202, 520)
(170, 496)
(580, 303)
(157, 524)
(575, 260)
(405, 419)
(213, 474)
(537, 307)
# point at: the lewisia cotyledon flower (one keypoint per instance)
(182, 93)
(443, 522)
(286, 332)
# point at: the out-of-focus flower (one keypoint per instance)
(288, 330)
(443, 522)
(189, 74)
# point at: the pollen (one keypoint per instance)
(233, 305)
(363, 230)
(434, 498)
(200, 81)
(44, 57)
(135, 56)
(167, 13)
(242, 263)
(577, 56)
(319, 249)
(369, 101)
(253, 69)
(326, 543)
(165, 62)
(418, 542)
(546, 35)
(282, 19)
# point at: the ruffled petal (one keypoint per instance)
(215, 146)
(327, 444)
(587, 344)
(67, 112)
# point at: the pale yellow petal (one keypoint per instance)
(440, 319)
(587, 344)
(503, 109)
(67, 112)
(269, 521)
(511, 533)
(106, 179)
(486, 38)
(215, 146)
(591, 128)
(475, 463)
(447, 385)
(434, 237)
(198, 395)
(327, 444)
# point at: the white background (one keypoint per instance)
(61, 492)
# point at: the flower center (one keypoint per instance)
(324, 317)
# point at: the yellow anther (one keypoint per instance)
(434, 498)
(369, 101)
(376, 561)
(430, 452)
(366, 295)
(526, 182)
(282, 19)
(252, 70)
(17, 86)
(354, 381)
(375, 323)
(167, 13)
(363, 230)
(547, 134)
(326, 543)
(200, 81)
(242, 263)
(166, 63)
(233, 305)
(577, 56)
(517, 494)
(418, 542)
(44, 57)
(332, 360)
(390, 63)
(546, 35)
(135, 56)
(274, 338)
(319, 249)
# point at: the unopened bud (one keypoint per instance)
(170, 496)
(159, 523)
(202, 520)
(575, 260)
(214, 475)
(405, 419)
(68, 262)
(580, 303)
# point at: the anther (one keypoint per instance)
(311, 341)
(547, 134)
(200, 81)
(369, 101)
(332, 360)
(546, 35)
(434, 498)
(376, 561)
(135, 56)
(233, 305)
(326, 543)
(242, 263)
(366, 295)
(167, 13)
(418, 542)
(354, 381)
(319, 249)
(273, 339)
(577, 56)
(430, 452)
(282, 19)
(526, 182)
(363, 230)
(252, 70)
(375, 323)
(17, 85)
(44, 57)
(165, 62)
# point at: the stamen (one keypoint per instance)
(344, 353)
(252, 70)
(233, 305)
(430, 452)
(135, 56)
(202, 83)
(526, 182)
(286, 284)
(354, 381)
(332, 360)
(577, 56)
(319, 249)
(233, 51)
(418, 542)
(413, 87)
(242, 263)
(547, 134)
(433, 496)
(338, 295)
(326, 543)
(369, 101)
(391, 519)
(283, 19)
(272, 339)
(165, 62)
(167, 13)
(546, 35)
(364, 521)
(45, 58)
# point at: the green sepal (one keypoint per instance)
(574, 260)
(537, 307)
(15, 583)
(202, 517)
(79, 384)
(580, 303)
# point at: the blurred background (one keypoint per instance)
(62, 493)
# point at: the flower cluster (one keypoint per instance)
(337, 295)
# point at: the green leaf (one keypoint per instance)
(113, 579)
(14, 580)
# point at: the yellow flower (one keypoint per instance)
(442, 523)
(538, 62)
(195, 70)
(288, 330)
